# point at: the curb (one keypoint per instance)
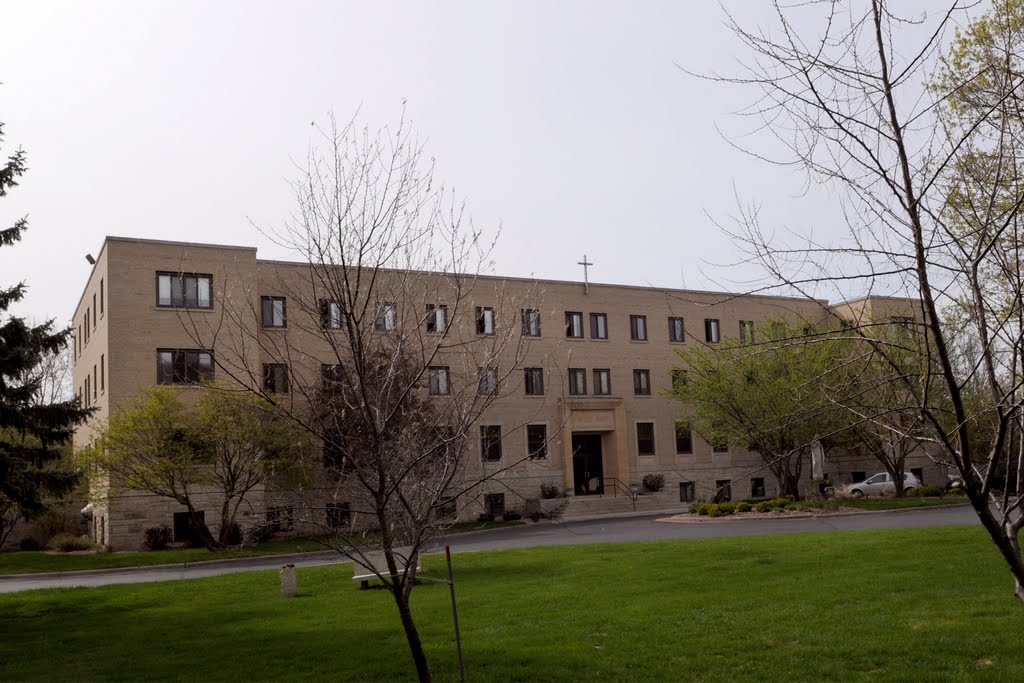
(803, 515)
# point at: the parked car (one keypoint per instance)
(998, 481)
(882, 483)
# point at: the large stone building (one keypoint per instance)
(596, 359)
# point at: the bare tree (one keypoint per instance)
(857, 97)
(383, 343)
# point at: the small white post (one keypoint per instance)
(289, 586)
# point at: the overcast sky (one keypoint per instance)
(569, 124)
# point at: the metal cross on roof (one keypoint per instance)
(586, 280)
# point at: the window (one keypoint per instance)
(687, 492)
(94, 311)
(757, 487)
(723, 490)
(684, 438)
(437, 318)
(183, 366)
(331, 373)
(275, 378)
(487, 381)
(598, 325)
(531, 322)
(185, 529)
(95, 382)
(719, 446)
(777, 329)
(577, 382)
(78, 339)
(919, 473)
(645, 438)
(101, 297)
(898, 325)
(272, 311)
(484, 320)
(642, 382)
(494, 503)
(103, 374)
(602, 382)
(330, 315)
(335, 450)
(574, 325)
(387, 317)
(184, 290)
(439, 380)
(712, 332)
(338, 514)
(534, 381)
(676, 332)
(87, 326)
(678, 379)
(280, 518)
(537, 441)
(858, 476)
(638, 327)
(746, 332)
(490, 443)
(87, 391)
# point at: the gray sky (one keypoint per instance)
(568, 123)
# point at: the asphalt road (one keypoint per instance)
(613, 530)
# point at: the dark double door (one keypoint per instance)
(587, 464)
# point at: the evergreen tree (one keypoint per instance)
(33, 435)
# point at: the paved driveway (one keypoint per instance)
(615, 530)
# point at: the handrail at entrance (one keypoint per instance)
(617, 486)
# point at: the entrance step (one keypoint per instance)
(586, 506)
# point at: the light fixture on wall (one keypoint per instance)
(90, 259)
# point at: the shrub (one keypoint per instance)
(743, 507)
(29, 544)
(654, 482)
(764, 506)
(67, 543)
(485, 517)
(705, 508)
(927, 492)
(714, 510)
(511, 516)
(550, 490)
(157, 537)
(59, 520)
(726, 508)
(955, 492)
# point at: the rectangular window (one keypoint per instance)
(531, 322)
(676, 332)
(534, 381)
(101, 297)
(280, 518)
(577, 382)
(275, 378)
(598, 325)
(684, 438)
(103, 372)
(94, 311)
(439, 381)
(330, 373)
(335, 450)
(719, 446)
(78, 339)
(484, 320)
(330, 315)
(537, 441)
(490, 443)
(183, 366)
(437, 318)
(858, 477)
(678, 379)
(272, 311)
(757, 487)
(87, 326)
(746, 332)
(487, 381)
(645, 438)
(387, 317)
(712, 333)
(338, 514)
(95, 382)
(184, 290)
(185, 529)
(723, 490)
(602, 382)
(638, 327)
(642, 382)
(687, 492)
(917, 472)
(573, 325)
(777, 329)
(494, 503)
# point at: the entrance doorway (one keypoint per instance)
(587, 465)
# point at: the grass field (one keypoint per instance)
(37, 562)
(923, 604)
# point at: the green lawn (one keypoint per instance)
(881, 503)
(34, 562)
(921, 604)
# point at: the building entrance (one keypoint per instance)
(587, 465)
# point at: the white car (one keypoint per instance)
(881, 484)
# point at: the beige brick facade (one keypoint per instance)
(126, 328)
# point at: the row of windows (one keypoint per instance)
(88, 325)
(94, 384)
(533, 381)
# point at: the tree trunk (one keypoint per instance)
(412, 635)
(205, 535)
(1009, 546)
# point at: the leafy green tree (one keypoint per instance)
(227, 443)
(33, 433)
(763, 394)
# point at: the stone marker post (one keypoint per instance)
(289, 587)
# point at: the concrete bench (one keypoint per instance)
(363, 575)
